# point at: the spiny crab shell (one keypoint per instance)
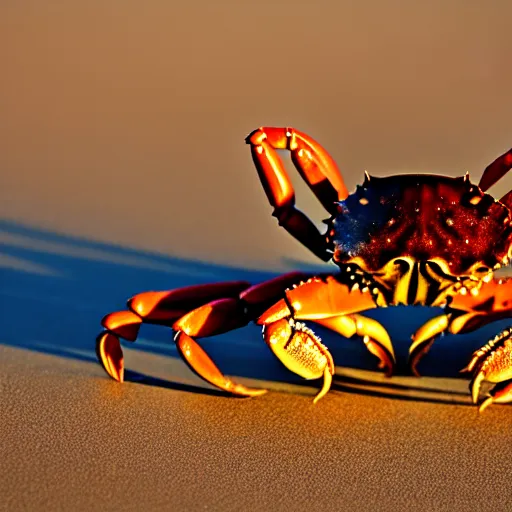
(446, 220)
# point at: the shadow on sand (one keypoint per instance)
(54, 290)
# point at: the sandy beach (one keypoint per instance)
(123, 169)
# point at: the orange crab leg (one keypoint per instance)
(467, 312)
(199, 361)
(161, 308)
(374, 335)
(492, 302)
(315, 166)
(218, 308)
(165, 307)
(496, 170)
(317, 299)
(109, 352)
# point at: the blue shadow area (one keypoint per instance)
(54, 290)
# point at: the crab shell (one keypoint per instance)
(421, 217)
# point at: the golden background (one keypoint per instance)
(125, 121)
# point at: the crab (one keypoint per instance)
(417, 239)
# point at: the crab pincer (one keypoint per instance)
(493, 363)
(330, 303)
(301, 351)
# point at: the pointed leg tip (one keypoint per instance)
(115, 369)
(389, 367)
(251, 393)
(327, 375)
(488, 401)
(243, 391)
(475, 385)
(384, 354)
(110, 355)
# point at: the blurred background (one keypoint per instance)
(124, 121)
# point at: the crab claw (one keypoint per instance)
(493, 363)
(301, 351)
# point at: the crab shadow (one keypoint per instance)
(55, 288)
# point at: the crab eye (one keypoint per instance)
(474, 195)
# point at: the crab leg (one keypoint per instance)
(330, 303)
(315, 166)
(200, 311)
(496, 170)
(493, 363)
(161, 308)
(374, 335)
(468, 312)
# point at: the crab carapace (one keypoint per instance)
(416, 239)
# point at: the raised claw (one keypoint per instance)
(316, 167)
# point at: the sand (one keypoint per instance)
(73, 440)
(123, 169)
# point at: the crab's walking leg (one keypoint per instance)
(374, 336)
(162, 308)
(424, 338)
(200, 311)
(315, 166)
(496, 170)
(468, 312)
(330, 303)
